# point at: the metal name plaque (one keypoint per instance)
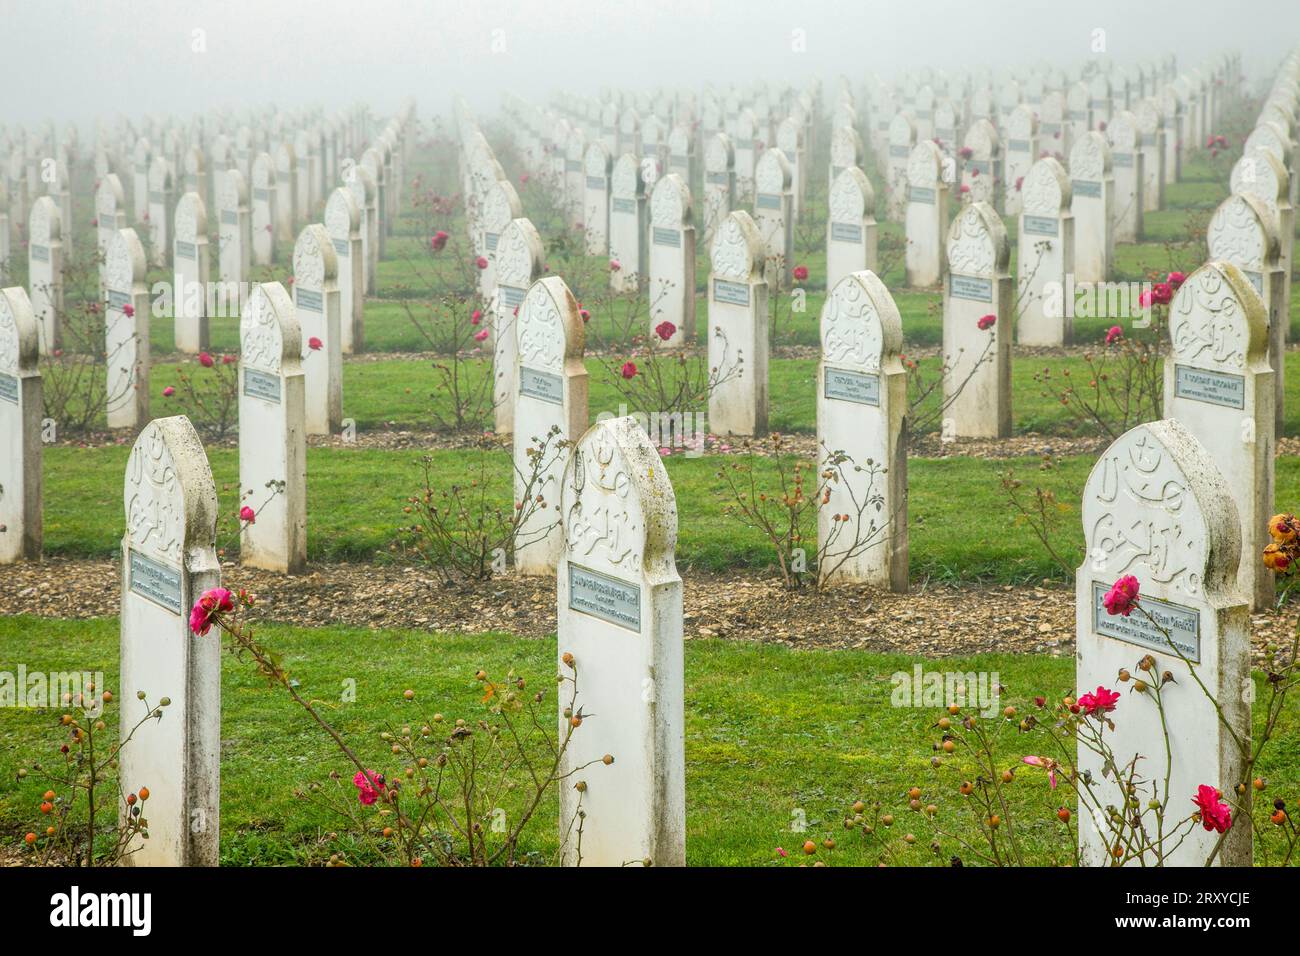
(156, 582)
(573, 165)
(264, 195)
(626, 206)
(341, 248)
(510, 295)
(719, 179)
(1089, 188)
(679, 162)
(595, 182)
(899, 152)
(599, 595)
(186, 250)
(667, 237)
(155, 197)
(1018, 145)
(41, 253)
(1148, 139)
(8, 388)
(767, 201)
(981, 166)
(921, 194)
(262, 385)
(1182, 623)
(118, 300)
(490, 239)
(1121, 159)
(970, 287)
(732, 293)
(229, 218)
(1040, 226)
(311, 300)
(1077, 116)
(845, 232)
(861, 388)
(543, 386)
(1213, 388)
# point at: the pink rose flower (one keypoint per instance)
(1114, 334)
(801, 273)
(586, 316)
(614, 265)
(966, 152)
(1215, 814)
(168, 392)
(476, 318)
(369, 786)
(629, 370)
(206, 360)
(315, 344)
(1162, 293)
(1176, 279)
(480, 335)
(1100, 701)
(1122, 597)
(1144, 300)
(215, 601)
(665, 330)
(1047, 763)
(248, 515)
(438, 240)
(481, 262)
(986, 322)
(128, 310)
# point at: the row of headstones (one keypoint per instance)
(617, 578)
(246, 234)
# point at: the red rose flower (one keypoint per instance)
(1122, 596)
(206, 360)
(1175, 279)
(801, 273)
(986, 322)
(315, 344)
(247, 514)
(665, 330)
(1100, 701)
(1114, 334)
(1162, 293)
(1215, 814)
(629, 370)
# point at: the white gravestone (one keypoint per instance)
(902, 139)
(192, 270)
(264, 210)
(574, 181)
(196, 173)
(140, 156)
(926, 215)
(846, 151)
(501, 207)
(21, 410)
(850, 225)
(1092, 203)
(110, 215)
(373, 161)
(1261, 174)
(977, 377)
(738, 328)
(1151, 144)
(1156, 507)
(774, 214)
(719, 183)
(169, 560)
(627, 224)
(550, 393)
(45, 271)
(519, 265)
(746, 154)
(1243, 231)
(595, 203)
(619, 614)
(286, 192)
(672, 261)
(234, 228)
(1022, 151)
(361, 183)
(789, 140)
(316, 298)
(1126, 162)
(979, 171)
(1045, 259)
(862, 413)
(272, 432)
(126, 331)
(160, 210)
(343, 223)
(1219, 385)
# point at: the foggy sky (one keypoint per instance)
(75, 60)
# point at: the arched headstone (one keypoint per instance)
(774, 214)
(361, 183)
(21, 411)
(192, 274)
(627, 225)
(343, 223)
(287, 212)
(672, 262)
(619, 614)
(977, 303)
(316, 298)
(45, 271)
(926, 215)
(550, 410)
(1219, 385)
(272, 432)
(719, 183)
(1045, 259)
(738, 328)
(161, 189)
(1126, 161)
(1022, 151)
(1151, 144)
(126, 331)
(902, 139)
(1092, 203)
(982, 157)
(596, 165)
(264, 210)
(234, 228)
(519, 265)
(1156, 507)
(862, 437)
(169, 560)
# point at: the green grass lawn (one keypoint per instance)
(772, 735)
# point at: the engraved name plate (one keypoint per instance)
(1182, 623)
(861, 388)
(156, 582)
(599, 595)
